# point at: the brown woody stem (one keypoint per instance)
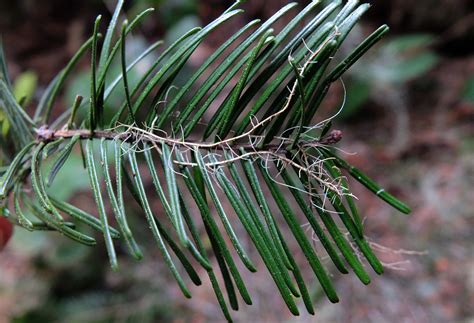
(45, 134)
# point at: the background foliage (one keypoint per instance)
(434, 78)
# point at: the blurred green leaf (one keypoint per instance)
(4, 124)
(407, 57)
(357, 93)
(409, 42)
(25, 86)
(67, 255)
(79, 85)
(180, 27)
(63, 187)
(468, 92)
(29, 244)
(410, 68)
